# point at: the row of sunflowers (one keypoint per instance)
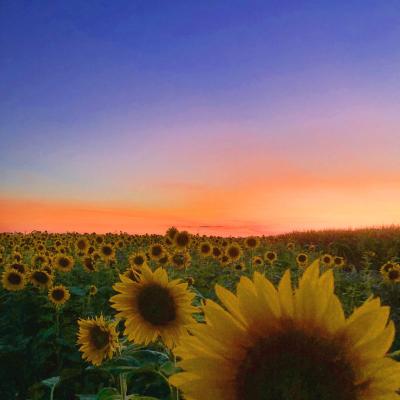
(120, 316)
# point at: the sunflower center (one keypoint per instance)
(99, 338)
(107, 250)
(63, 262)
(156, 251)
(302, 258)
(393, 274)
(156, 305)
(182, 239)
(233, 252)
(139, 260)
(41, 277)
(58, 294)
(295, 366)
(14, 279)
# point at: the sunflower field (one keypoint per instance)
(302, 316)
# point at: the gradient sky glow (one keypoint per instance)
(223, 117)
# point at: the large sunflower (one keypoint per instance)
(41, 279)
(98, 339)
(278, 345)
(154, 307)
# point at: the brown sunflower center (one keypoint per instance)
(296, 366)
(98, 337)
(107, 250)
(233, 252)
(216, 252)
(302, 258)
(138, 260)
(41, 277)
(393, 274)
(156, 305)
(182, 239)
(81, 244)
(14, 279)
(271, 256)
(156, 251)
(58, 294)
(18, 267)
(63, 262)
(205, 248)
(251, 242)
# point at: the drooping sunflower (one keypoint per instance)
(205, 249)
(164, 260)
(182, 240)
(93, 290)
(59, 295)
(41, 279)
(273, 344)
(154, 307)
(13, 280)
(89, 264)
(64, 263)
(98, 339)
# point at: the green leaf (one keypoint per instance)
(169, 368)
(51, 382)
(77, 291)
(87, 396)
(108, 394)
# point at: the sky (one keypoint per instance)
(219, 117)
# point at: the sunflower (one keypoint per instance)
(338, 261)
(98, 339)
(82, 244)
(205, 249)
(216, 252)
(270, 256)
(182, 240)
(234, 252)
(137, 260)
(180, 260)
(156, 251)
(393, 275)
(164, 260)
(107, 251)
(386, 268)
(59, 295)
(17, 266)
(93, 290)
(302, 259)
(171, 233)
(275, 344)
(252, 242)
(89, 264)
(225, 260)
(327, 260)
(64, 263)
(41, 279)
(257, 261)
(39, 259)
(133, 273)
(239, 267)
(291, 246)
(13, 280)
(154, 307)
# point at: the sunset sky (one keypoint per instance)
(220, 117)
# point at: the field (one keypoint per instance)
(62, 338)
